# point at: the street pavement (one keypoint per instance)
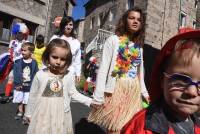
(8, 125)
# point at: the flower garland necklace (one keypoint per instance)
(125, 58)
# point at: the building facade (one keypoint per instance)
(163, 17)
(37, 14)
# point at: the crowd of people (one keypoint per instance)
(43, 79)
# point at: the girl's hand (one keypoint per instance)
(95, 105)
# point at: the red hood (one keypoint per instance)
(185, 33)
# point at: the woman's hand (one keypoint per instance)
(147, 99)
(78, 78)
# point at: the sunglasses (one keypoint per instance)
(181, 81)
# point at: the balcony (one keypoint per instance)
(4, 36)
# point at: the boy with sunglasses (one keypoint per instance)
(174, 90)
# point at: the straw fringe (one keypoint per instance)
(120, 107)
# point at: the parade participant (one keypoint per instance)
(92, 72)
(120, 76)
(48, 106)
(39, 49)
(24, 71)
(66, 32)
(174, 90)
(20, 33)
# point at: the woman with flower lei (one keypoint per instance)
(120, 81)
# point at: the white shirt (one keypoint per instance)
(76, 53)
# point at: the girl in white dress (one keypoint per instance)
(48, 108)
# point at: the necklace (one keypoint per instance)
(127, 54)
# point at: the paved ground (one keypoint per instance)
(8, 125)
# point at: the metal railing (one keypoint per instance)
(98, 41)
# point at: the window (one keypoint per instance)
(100, 19)
(130, 4)
(43, 2)
(195, 3)
(92, 23)
(113, 1)
(112, 14)
(182, 19)
(194, 24)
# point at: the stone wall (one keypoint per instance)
(120, 6)
(162, 20)
(28, 6)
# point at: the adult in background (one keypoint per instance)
(66, 32)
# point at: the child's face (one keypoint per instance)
(57, 59)
(26, 53)
(180, 93)
(133, 21)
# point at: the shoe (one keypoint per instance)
(19, 116)
(5, 99)
(25, 121)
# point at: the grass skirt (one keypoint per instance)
(120, 106)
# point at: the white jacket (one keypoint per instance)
(105, 82)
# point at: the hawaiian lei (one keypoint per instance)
(125, 58)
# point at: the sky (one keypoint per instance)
(79, 10)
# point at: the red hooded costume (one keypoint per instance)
(153, 120)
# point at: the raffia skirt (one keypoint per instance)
(120, 106)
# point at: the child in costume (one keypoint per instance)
(120, 78)
(24, 71)
(20, 33)
(174, 90)
(39, 49)
(48, 106)
(92, 70)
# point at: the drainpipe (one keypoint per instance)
(163, 25)
(47, 20)
(179, 24)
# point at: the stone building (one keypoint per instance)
(163, 17)
(79, 24)
(163, 20)
(37, 14)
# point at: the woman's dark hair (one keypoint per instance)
(40, 39)
(121, 27)
(51, 46)
(63, 23)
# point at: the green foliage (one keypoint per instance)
(80, 85)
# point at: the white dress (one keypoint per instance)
(48, 111)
